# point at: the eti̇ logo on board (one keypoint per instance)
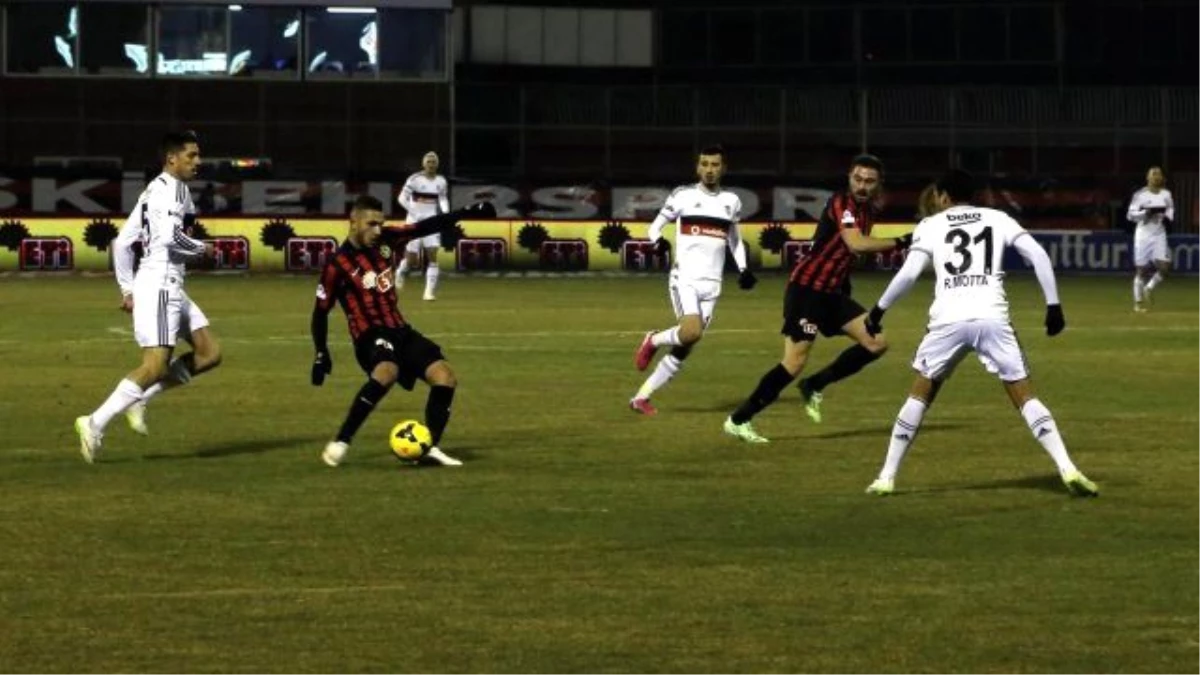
(47, 254)
(309, 254)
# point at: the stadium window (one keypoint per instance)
(782, 35)
(684, 38)
(43, 38)
(831, 35)
(984, 32)
(731, 34)
(342, 42)
(1085, 40)
(193, 41)
(1031, 34)
(884, 35)
(933, 35)
(114, 38)
(412, 43)
(264, 41)
(1159, 42)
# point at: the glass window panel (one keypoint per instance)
(412, 43)
(684, 37)
(114, 38)
(342, 42)
(1031, 33)
(264, 42)
(782, 32)
(983, 32)
(831, 35)
(732, 37)
(193, 40)
(42, 38)
(884, 35)
(933, 35)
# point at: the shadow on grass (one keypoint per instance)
(374, 459)
(1045, 482)
(247, 447)
(881, 431)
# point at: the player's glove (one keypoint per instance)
(746, 279)
(874, 321)
(662, 246)
(322, 366)
(1055, 323)
(904, 242)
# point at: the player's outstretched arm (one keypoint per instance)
(902, 283)
(1035, 255)
(858, 242)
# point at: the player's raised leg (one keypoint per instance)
(1161, 267)
(694, 310)
(409, 261)
(866, 349)
(205, 356)
(127, 393)
(1045, 430)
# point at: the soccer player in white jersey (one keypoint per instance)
(706, 219)
(424, 194)
(1150, 208)
(965, 245)
(161, 309)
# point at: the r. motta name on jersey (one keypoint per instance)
(965, 281)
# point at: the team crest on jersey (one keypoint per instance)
(847, 217)
(385, 251)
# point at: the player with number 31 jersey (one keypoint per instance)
(966, 244)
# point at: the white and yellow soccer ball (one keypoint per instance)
(410, 440)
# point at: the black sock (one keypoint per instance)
(846, 364)
(768, 390)
(364, 402)
(437, 410)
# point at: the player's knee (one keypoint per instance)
(209, 358)
(878, 346)
(690, 335)
(441, 375)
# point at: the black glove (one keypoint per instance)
(874, 321)
(322, 366)
(662, 246)
(746, 279)
(1055, 323)
(904, 242)
(482, 210)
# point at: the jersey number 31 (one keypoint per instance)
(961, 240)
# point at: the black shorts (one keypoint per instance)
(806, 311)
(412, 352)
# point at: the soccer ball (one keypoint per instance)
(410, 440)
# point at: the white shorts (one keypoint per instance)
(1148, 248)
(428, 241)
(995, 342)
(162, 314)
(695, 297)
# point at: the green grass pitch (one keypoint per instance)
(579, 536)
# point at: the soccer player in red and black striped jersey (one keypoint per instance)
(817, 298)
(360, 278)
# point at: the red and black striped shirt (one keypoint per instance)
(827, 265)
(363, 282)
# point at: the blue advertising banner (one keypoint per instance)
(1106, 251)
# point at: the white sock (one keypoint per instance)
(668, 366)
(1041, 423)
(1139, 287)
(126, 394)
(402, 270)
(1154, 281)
(431, 278)
(666, 338)
(904, 432)
(176, 372)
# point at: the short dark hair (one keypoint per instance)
(367, 203)
(715, 149)
(958, 185)
(175, 141)
(867, 161)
